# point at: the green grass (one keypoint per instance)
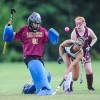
(14, 75)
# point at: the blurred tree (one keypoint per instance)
(55, 13)
(17, 22)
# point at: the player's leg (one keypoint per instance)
(39, 76)
(30, 88)
(67, 62)
(75, 75)
(89, 75)
(75, 72)
(66, 85)
(89, 72)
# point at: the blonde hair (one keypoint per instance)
(81, 19)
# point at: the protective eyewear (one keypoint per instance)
(78, 23)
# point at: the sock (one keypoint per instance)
(68, 81)
(89, 80)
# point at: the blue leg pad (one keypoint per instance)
(38, 75)
(48, 76)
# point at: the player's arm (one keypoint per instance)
(14, 33)
(78, 58)
(73, 35)
(63, 45)
(93, 36)
(18, 35)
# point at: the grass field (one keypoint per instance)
(14, 75)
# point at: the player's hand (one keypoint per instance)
(83, 59)
(65, 77)
(59, 60)
(88, 48)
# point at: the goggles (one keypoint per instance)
(78, 23)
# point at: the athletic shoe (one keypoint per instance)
(68, 91)
(66, 88)
(92, 89)
(45, 92)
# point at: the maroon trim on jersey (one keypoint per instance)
(86, 41)
(85, 33)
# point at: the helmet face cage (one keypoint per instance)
(34, 18)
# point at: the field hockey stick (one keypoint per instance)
(9, 23)
(11, 16)
(81, 79)
(83, 63)
(58, 87)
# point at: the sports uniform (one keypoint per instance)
(87, 57)
(66, 86)
(86, 37)
(33, 43)
(33, 37)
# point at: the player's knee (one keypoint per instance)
(75, 78)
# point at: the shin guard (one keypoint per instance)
(38, 74)
(67, 82)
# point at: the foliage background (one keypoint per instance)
(55, 13)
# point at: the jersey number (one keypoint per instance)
(35, 41)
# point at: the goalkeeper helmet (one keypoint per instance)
(34, 18)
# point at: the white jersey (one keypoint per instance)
(69, 51)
